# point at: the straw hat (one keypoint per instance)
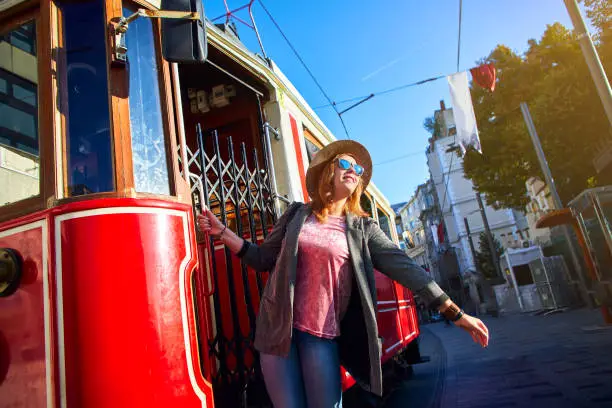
(323, 157)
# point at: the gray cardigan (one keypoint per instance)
(369, 249)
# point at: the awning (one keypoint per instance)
(556, 218)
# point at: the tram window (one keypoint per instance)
(88, 135)
(384, 223)
(312, 145)
(146, 124)
(366, 204)
(19, 149)
(311, 149)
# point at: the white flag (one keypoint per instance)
(434, 232)
(463, 111)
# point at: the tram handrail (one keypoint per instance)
(212, 289)
(271, 174)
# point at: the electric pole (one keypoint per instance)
(590, 55)
(490, 241)
(469, 235)
(550, 181)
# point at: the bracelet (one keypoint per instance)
(459, 316)
(218, 236)
(453, 313)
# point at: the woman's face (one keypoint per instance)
(345, 181)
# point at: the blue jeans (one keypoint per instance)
(309, 377)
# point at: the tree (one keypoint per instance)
(484, 260)
(432, 126)
(554, 80)
(599, 12)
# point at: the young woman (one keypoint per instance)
(318, 309)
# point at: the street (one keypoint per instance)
(560, 360)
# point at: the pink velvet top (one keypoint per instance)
(324, 277)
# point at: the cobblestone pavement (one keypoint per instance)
(532, 361)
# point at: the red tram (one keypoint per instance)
(110, 141)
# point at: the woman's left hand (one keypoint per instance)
(476, 328)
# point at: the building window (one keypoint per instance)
(18, 111)
(398, 229)
(150, 158)
(88, 138)
(23, 38)
(19, 143)
(428, 201)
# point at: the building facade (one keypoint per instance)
(412, 228)
(540, 202)
(398, 224)
(457, 197)
(418, 224)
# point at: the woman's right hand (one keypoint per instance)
(209, 224)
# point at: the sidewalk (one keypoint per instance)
(532, 361)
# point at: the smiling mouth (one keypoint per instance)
(351, 179)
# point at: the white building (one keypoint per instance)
(413, 231)
(457, 198)
(540, 202)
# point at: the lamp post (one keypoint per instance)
(550, 181)
(590, 55)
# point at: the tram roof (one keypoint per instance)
(231, 45)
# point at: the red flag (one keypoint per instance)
(484, 75)
(441, 233)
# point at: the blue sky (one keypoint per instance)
(358, 47)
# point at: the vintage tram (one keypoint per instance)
(110, 142)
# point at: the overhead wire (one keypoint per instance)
(365, 98)
(402, 157)
(453, 153)
(299, 57)
(401, 87)
(380, 93)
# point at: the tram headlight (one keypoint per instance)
(10, 271)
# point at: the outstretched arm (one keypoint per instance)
(474, 326)
(393, 262)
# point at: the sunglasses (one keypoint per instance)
(345, 165)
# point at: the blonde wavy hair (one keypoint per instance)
(321, 203)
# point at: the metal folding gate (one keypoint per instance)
(240, 191)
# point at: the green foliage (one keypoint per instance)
(432, 126)
(600, 14)
(553, 79)
(484, 261)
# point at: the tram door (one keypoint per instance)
(230, 175)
